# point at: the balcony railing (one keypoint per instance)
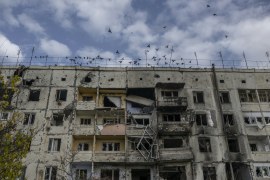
(172, 102)
(85, 105)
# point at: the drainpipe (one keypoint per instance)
(215, 82)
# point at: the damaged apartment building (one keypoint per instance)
(144, 123)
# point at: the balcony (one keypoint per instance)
(83, 156)
(175, 154)
(174, 128)
(85, 105)
(101, 156)
(172, 104)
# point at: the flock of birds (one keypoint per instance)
(156, 60)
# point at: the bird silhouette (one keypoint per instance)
(214, 14)
(167, 46)
(208, 5)
(157, 49)
(148, 45)
(226, 36)
(109, 31)
(117, 52)
(164, 27)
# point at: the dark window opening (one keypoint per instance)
(110, 174)
(50, 173)
(169, 94)
(111, 121)
(34, 95)
(63, 79)
(87, 98)
(198, 97)
(247, 95)
(111, 146)
(57, 120)
(243, 81)
(85, 121)
(204, 144)
(87, 79)
(264, 95)
(233, 145)
(253, 147)
(171, 117)
(224, 97)
(221, 81)
(112, 101)
(140, 174)
(173, 173)
(81, 174)
(201, 120)
(83, 147)
(61, 95)
(142, 121)
(173, 143)
(29, 119)
(228, 119)
(209, 173)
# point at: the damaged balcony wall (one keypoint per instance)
(87, 78)
(84, 123)
(34, 77)
(175, 171)
(112, 98)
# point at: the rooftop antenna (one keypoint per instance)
(245, 58)
(19, 52)
(46, 59)
(196, 59)
(172, 50)
(146, 51)
(220, 55)
(33, 49)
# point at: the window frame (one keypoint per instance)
(201, 119)
(54, 122)
(203, 141)
(228, 122)
(59, 94)
(85, 121)
(115, 146)
(54, 145)
(83, 146)
(2, 115)
(30, 119)
(32, 97)
(84, 173)
(51, 169)
(176, 117)
(196, 99)
(221, 97)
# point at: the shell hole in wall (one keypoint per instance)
(141, 79)
(243, 81)
(196, 79)
(168, 79)
(63, 79)
(221, 81)
(112, 79)
(267, 80)
(157, 76)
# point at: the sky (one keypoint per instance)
(135, 32)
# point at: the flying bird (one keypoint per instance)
(214, 14)
(208, 5)
(157, 49)
(109, 31)
(148, 45)
(117, 52)
(167, 46)
(164, 27)
(226, 36)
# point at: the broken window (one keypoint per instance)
(224, 97)
(145, 144)
(175, 143)
(171, 117)
(228, 119)
(34, 95)
(83, 147)
(50, 173)
(28, 82)
(233, 145)
(57, 120)
(109, 174)
(85, 121)
(264, 95)
(111, 121)
(251, 120)
(267, 120)
(87, 79)
(173, 173)
(204, 144)
(87, 98)
(29, 118)
(201, 120)
(169, 94)
(263, 171)
(112, 101)
(4, 116)
(209, 173)
(198, 97)
(54, 144)
(61, 95)
(253, 147)
(142, 121)
(81, 174)
(110, 146)
(247, 95)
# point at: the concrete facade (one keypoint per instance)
(145, 123)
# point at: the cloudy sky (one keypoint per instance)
(164, 32)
